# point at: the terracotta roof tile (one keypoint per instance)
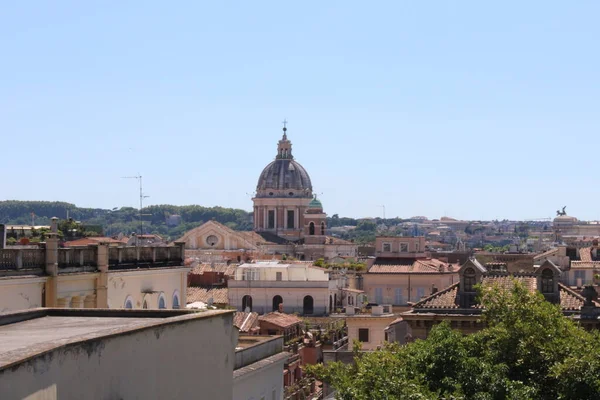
(447, 298)
(569, 299)
(280, 319)
(548, 253)
(220, 267)
(219, 295)
(246, 322)
(430, 265)
(585, 254)
(442, 299)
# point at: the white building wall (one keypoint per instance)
(20, 293)
(293, 299)
(264, 383)
(147, 285)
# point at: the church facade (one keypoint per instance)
(288, 219)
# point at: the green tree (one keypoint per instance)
(528, 350)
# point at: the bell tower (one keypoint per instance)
(315, 223)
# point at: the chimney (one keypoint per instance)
(280, 308)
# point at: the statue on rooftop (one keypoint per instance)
(561, 213)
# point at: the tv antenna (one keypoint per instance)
(142, 197)
(383, 207)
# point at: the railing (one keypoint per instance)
(13, 259)
(145, 257)
(77, 257)
(8, 260)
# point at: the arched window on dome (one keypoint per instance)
(323, 228)
(311, 228)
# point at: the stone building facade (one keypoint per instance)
(93, 276)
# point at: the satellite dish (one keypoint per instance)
(210, 301)
(247, 310)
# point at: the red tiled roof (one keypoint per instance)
(221, 267)
(280, 319)
(219, 295)
(546, 254)
(431, 265)
(246, 322)
(569, 299)
(585, 254)
(447, 298)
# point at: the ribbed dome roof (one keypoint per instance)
(283, 174)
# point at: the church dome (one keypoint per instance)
(284, 176)
(315, 203)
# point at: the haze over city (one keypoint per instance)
(470, 110)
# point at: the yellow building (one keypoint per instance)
(93, 276)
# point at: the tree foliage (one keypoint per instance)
(529, 350)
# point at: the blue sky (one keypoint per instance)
(468, 109)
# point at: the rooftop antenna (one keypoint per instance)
(142, 197)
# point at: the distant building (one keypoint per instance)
(458, 305)
(123, 354)
(288, 219)
(263, 286)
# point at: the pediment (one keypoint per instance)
(215, 228)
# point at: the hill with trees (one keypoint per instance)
(167, 220)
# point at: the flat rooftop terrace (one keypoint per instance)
(30, 333)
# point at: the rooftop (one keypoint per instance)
(31, 333)
(280, 319)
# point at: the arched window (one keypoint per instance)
(469, 279)
(323, 228)
(308, 305)
(162, 303)
(129, 303)
(277, 300)
(247, 303)
(311, 228)
(176, 299)
(547, 281)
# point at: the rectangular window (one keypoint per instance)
(403, 247)
(363, 335)
(579, 275)
(398, 300)
(250, 275)
(274, 395)
(278, 276)
(290, 219)
(387, 247)
(416, 247)
(420, 293)
(378, 295)
(271, 221)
